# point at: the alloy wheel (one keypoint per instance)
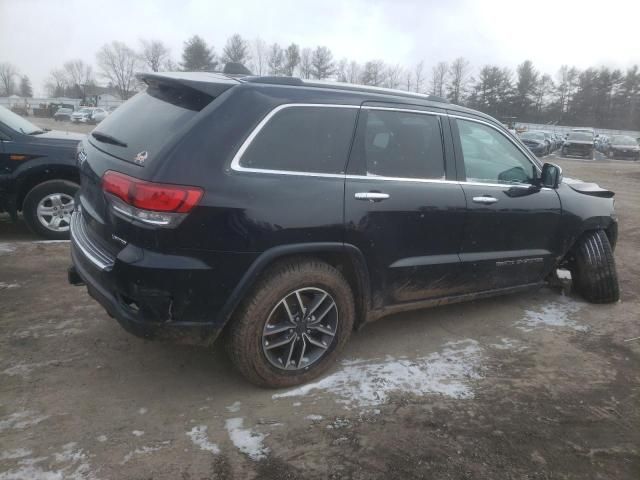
(300, 329)
(54, 211)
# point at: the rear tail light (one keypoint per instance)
(153, 203)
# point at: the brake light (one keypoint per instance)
(155, 197)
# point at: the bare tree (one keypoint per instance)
(154, 53)
(7, 73)
(291, 59)
(458, 80)
(236, 50)
(419, 77)
(306, 66)
(392, 76)
(341, 70)
(353, 72)
(408, 80)
(79, 76)
(118, 64)
(259, 56)
(57, 83)
(322, 63)
(373, 73)
(438, 78)
(275, 59)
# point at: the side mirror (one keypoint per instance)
(551, 176)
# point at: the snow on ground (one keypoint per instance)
(20, 420)
(5, 285)
(71, 463)
(234, 407)
(369, 383)
(246, 440)
(6, 248)
(552, 314)
(198, 436)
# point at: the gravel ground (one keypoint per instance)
(539, 385)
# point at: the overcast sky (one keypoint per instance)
(38, 35)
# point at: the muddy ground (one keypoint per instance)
(532, 386)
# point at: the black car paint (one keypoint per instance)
(47, 156)
(187, 282)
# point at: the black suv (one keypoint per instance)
(285, 213)
(38, 174)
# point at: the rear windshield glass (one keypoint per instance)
(623, 140)
(147, 122)
(581, 136)
(532, 136)
(303, 139)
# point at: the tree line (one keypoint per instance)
(596, 96)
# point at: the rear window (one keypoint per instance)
(581, 136)
(303, 139)
(146, 122)
(402, 144)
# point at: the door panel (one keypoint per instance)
(410, 239)
(511, 225)
(511, 241)
(399, 209)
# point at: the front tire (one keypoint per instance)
(47, 208)
(594, 268)
(288, 332)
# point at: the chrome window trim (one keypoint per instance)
(235, 163)
(409, 110)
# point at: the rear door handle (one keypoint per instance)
(486, 199)
(372, 196)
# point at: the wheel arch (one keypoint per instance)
(347, 258)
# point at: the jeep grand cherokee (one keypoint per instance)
(285, 213)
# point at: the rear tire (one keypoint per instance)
(246, 341)
(594, 269)
(65, 190)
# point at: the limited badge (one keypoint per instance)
(140, 158)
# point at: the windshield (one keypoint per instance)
(581, 136)
(85, 110)
(532, 136)
(623, 140)
(17, 123)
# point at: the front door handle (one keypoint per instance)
(486, 199)
(372, 196)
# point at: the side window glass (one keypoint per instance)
(490, 157)
(303, 139)
(403, 144)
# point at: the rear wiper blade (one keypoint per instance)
(104, 138)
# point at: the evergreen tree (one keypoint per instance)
(197, 56)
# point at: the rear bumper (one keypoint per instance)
(624, 154)
(157, 296)
(102, 289)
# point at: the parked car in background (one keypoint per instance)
(550, 140)
(578, 143)
(536, 141)
(97, 115)
(38, 175)
(602, 143)
(63, 114)
(623, 146)
(559, 139)
(90, 115)
(81, 115)
(288, 212)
